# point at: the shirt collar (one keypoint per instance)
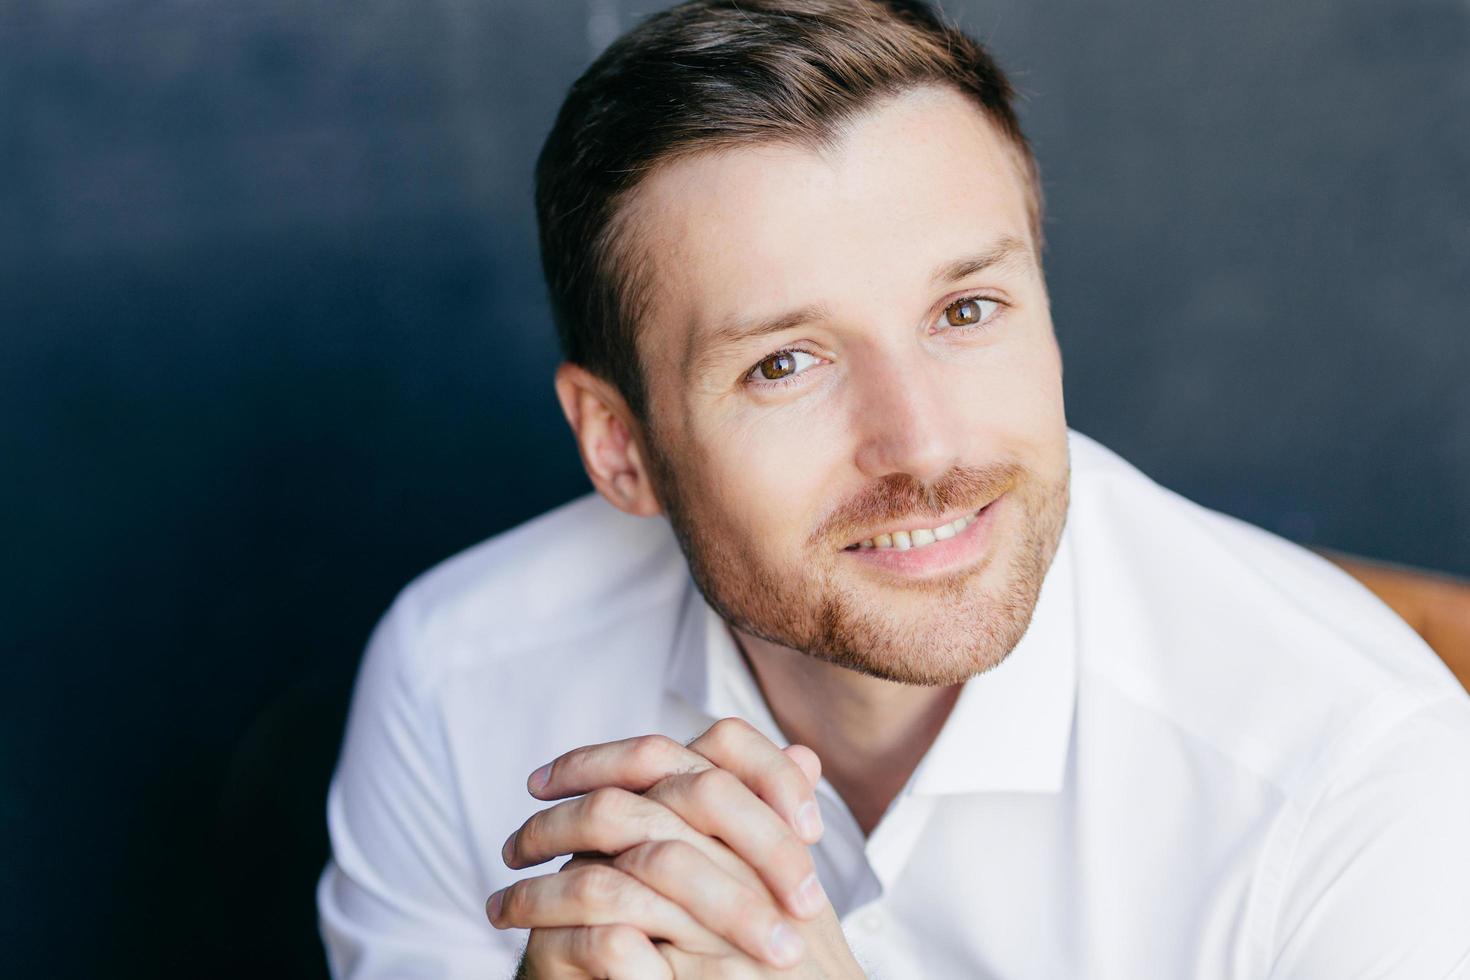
(1009, 730)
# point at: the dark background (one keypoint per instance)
(273, 339)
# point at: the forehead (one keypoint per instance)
(917, 181)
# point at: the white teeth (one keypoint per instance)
(919, 537)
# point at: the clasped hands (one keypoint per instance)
(687, 862)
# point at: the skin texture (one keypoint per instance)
(907, 403)
(897, 418)
(717, 832)
(687, 858)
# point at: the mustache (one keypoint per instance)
(897, 499)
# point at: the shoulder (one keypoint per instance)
(1254, 646)
(1372, 861)
(566, 574)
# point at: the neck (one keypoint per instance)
(869, 733)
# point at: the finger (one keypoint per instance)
(596, 895)
(577, 860)
(633, 764)
(711, 801)
(773, 775)
(723, 858)
(811, 766)
(605, 821)
(618, 952)
(715, 803)
(710, 810)
(636, 764)
(723, 905)
(684, 965)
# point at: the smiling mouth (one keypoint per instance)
(918, 537)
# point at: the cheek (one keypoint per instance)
(1018, 391)
(772, 478)
(1047, 401)
(1009, 405)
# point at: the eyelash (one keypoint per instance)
(795, 378)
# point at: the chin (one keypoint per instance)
(938, 649)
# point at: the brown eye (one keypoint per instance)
(783, 366)
(778, 365)
(968, 311)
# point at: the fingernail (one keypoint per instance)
(539, 778)
(786, 945)
(492, 905)
(809, 820)
(506, 849)
(810, 897)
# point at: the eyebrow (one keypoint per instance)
(1005, 251)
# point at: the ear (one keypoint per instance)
(604, 429)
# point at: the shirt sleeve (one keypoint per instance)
(1379, 885)
(400, 896)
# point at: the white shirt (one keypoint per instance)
(1213, 754)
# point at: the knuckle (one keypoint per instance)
(730, 731)
(636, 858)
(568, 767)
(524, 840)
(673, 854)
(652, 754)
(606, 804)
(619, 942)
(603, 948)
(656, 857)
(652, 821)
(513, 903)
(710, 785)
(595, 886)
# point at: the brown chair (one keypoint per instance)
(1435, 604)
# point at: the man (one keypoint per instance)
(968, 695)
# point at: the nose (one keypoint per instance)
(904, 421)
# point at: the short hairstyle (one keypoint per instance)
(712, 75)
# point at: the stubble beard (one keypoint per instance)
(965, 630)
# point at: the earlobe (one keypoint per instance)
(602, 425)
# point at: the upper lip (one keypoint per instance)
(912, 523)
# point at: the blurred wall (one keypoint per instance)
(273, 339)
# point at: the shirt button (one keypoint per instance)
(872, 922)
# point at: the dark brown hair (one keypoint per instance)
(710, 75)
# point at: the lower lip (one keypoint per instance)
(939, 557)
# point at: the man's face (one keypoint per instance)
(922, 384)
